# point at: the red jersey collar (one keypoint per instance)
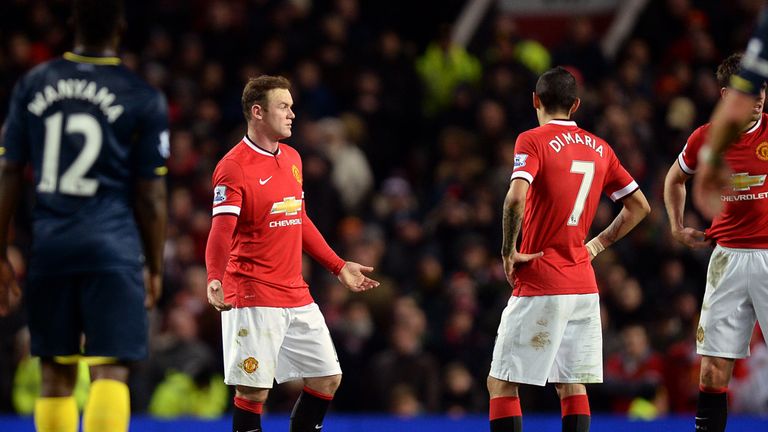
(258, 149)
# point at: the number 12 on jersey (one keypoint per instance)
(587, 170)
(73, 180)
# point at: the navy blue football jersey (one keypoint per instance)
(89, 128)
(754, 64)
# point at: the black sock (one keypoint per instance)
(244, 420)
(576, 423)
(507, 424)
(309, 411)
(711, 412)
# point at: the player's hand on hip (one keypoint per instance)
(216, 296)
(352, 277)
(154, 290)
(512, 261)
(10, 293)
(692, 238)
(708, 185)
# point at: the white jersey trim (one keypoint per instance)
(562, 122)
(686, 169)
(258, 149)
(522, 175)
(226, 209)
(626, 190)
(757, 125)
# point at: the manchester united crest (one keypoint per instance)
(297, 173)
(762, 151)
(700, 334)
(250, 365)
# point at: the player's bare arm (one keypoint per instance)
(512, 219)
(728, 120)
(152, 216)
(352, 277)
(635, 209)
(10, 186)
(674, 201)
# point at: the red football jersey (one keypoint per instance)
(567, 168)
(265, 191)
(743, 222)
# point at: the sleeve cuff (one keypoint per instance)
(626, 190)
(230, 209)
(522, 175)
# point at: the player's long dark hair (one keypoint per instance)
(556, 88)
(96, 20)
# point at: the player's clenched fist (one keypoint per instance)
(216, 296)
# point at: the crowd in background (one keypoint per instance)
(408, 145)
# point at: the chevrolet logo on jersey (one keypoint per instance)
(288, 206)
(744, 181)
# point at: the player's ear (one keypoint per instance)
(257, 112)
(536, 101)
(575, 106)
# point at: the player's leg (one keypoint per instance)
(249, 404)
(313, 403)
(574, 407)
(529, 333)
(252, 338)
(54, 331)
(579, 360)
(504, 414)
(109, 405)
(725, 328)
(115, 327)
(712, 406)
(308, 354)
(56, 409)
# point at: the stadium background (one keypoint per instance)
(407, 151)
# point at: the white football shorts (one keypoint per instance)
(552, 337)
(264, 344)
(736, 296)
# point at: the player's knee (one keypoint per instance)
(497, 387)
(252, 393)
(58, 380)
(715, 372)
(566, 390)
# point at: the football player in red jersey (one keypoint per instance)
(550, 329)
(737, 281)
(733, 112)
(272, 329)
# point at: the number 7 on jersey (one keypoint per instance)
(587, 170)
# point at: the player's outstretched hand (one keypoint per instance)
(708, 184)
(154, 290)
(351, 275)
(216, 296)
(692, 238)
(10, 293)
(511, 262)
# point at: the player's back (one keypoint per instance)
(568, 169)
(84, 125)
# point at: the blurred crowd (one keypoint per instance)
(408, 145)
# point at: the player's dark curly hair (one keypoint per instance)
(97, 20)
(255, 91)
(556, 88)
(730, 66)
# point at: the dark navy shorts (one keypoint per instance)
(107, 308)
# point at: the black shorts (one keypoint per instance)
(106, 307)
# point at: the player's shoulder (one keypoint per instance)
(699, 134)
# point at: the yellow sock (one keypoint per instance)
(56, 414)
(108, 408)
